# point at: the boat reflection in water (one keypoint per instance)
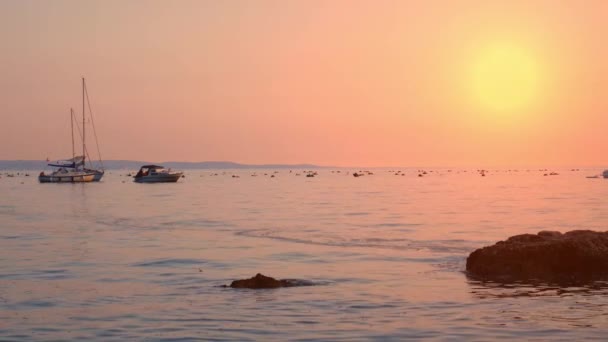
(156, 174)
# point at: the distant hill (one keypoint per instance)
(134, 164)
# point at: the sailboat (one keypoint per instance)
(69, 170)
(75, 169)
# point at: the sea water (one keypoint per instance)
(117, 260)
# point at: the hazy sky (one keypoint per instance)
(345, 83)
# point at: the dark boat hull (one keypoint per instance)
(161, 178)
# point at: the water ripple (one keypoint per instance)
(438, 246)
(99, 262)
(171, 262)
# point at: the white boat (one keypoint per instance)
(64, 175)
(156, 174)
(69, 170)
(75, 169)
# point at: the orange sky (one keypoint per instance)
(344, 83)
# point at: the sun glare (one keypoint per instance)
(505, 79)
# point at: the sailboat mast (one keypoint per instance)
(83, 137)
(72, 126)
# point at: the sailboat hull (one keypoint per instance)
(67, 178)
(98, 174)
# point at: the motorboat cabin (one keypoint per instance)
(156, 174)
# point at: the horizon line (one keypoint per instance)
(571, 166)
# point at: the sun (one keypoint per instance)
(505, 79)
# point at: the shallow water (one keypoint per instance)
(117, 260)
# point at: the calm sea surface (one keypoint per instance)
(117, 260)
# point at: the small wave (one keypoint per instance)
(158, 223)
(120, 222)
(114, 280)
(358, 213)
(36, 304)
(53, 274)
(170, 262)
(490, 289)
(196, 223)
(398, 225)
(295, 256)
(438, 246)
(452, 264)
(7, 209)
(304, 282)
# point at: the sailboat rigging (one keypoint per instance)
(99, 172)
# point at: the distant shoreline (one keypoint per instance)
(135, 164)
(40, 165)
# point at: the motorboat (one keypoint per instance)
(156, 174)
(605, 174)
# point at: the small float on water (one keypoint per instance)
(156, 174)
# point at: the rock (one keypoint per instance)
(573, 257)
(261, 281)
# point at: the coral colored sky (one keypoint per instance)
(344, 83)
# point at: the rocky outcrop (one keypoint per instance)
(261, 281)
(572, 257)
